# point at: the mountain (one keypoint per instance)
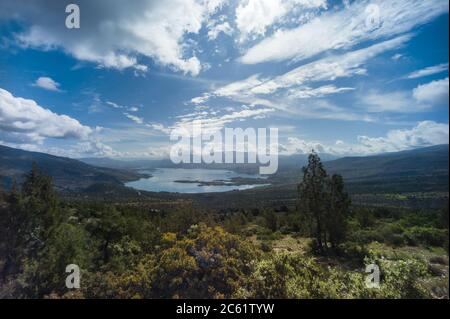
(130, 164)
(68, 174)
(423, 169)
(415, 178)
(418, 170)
(286, 162)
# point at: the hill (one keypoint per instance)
(423, 169)
(68, 174)
(414, 178)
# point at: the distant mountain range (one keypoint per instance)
(424, 169)
(68, 174)
(285, 163)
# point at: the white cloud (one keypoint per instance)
(200, 99)
(324, 109)
(239, 87)
(133, 109)
(117, 106)
(428, 71)
(47, 84)
(159, 127)
(211, 124)
(397, 56)
(425, 133)
(115, 36)
(134, 118)
(435, 92)
(297, 145)
(397, 101)
(345, 28)
(253, 17)
(330, 68)
(24, 117)
(422, 98)
(114, 105)
(307, 92)
(277, 92)
(225, 28)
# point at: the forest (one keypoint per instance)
(141, 248)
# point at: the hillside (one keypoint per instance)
(423, 169)
(419, 170)
(414, 178)
(68, 174)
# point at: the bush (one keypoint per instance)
(206, 263)
(400, 278)
(392, 234)
(426, 236)
(353, 250)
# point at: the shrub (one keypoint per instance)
(400, 278)
(206, 263)
(427, 236)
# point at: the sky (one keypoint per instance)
(340, 77)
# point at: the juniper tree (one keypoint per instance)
(338, 211)
(312, 193)
(323, 203)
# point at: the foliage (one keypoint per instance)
(324, 203)
(133, 250)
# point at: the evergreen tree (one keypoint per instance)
(312, 193)
(338, 212)
(324, 203)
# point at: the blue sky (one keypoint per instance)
(342, 77)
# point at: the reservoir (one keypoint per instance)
(185, 180)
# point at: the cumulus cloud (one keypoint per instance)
(435, 92)
(115, 36)
(47, 83)
(344, 28)
(28, 119)
(428, 71)
(425, 133)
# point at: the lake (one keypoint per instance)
(184, 180)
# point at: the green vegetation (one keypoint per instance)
(169, 247)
